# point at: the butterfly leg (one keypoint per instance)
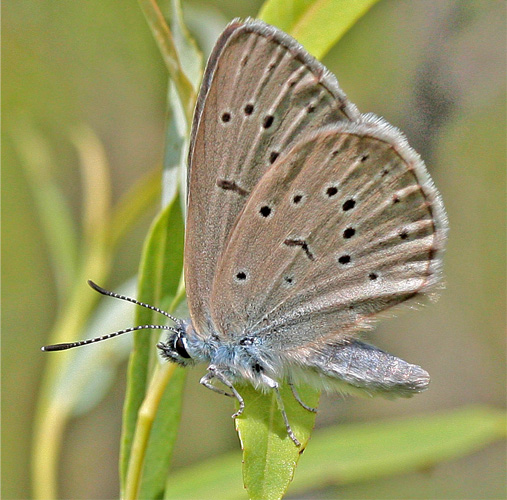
(206, 382)
(213, 372)
(298, 399)
(290, 432)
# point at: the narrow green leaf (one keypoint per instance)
(166, 42)
(153, 403)
(316, 24)
(357, 452)
(160, 270)
(270, 456)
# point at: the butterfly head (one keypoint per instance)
(178, 348)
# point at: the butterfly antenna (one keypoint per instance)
(70, 345)
(103, 291)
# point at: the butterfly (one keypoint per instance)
(305, 219)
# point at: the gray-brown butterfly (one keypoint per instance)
(305, 218)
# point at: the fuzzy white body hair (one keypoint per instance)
(347, 367)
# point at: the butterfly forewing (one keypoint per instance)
(345, 225)
(261, 92)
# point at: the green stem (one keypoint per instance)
(146, 416)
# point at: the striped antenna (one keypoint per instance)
(70, 345)
(103, 291)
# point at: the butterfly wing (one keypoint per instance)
(261, 91)
(343, 226)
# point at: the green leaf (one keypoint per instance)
(169, 50)
(160, 271)
(316, 24)
(270, 456)
(189, 54)
(152, 414)
(163, 436)
(358, 452)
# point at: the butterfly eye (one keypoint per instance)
(257, 368)
(180, 347)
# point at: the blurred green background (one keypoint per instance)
(436, 69)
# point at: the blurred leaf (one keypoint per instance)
(218, 477)
(169, 51)
(176, 141)
(53, 411)
(141, 196)
(160, 270)
(316, 24)
(52, 208)
(95, 179)
(270, 456)
(178, 122)
(206, 34)
(358, 452)
(189, 54)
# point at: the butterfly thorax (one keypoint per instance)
(243, 359)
